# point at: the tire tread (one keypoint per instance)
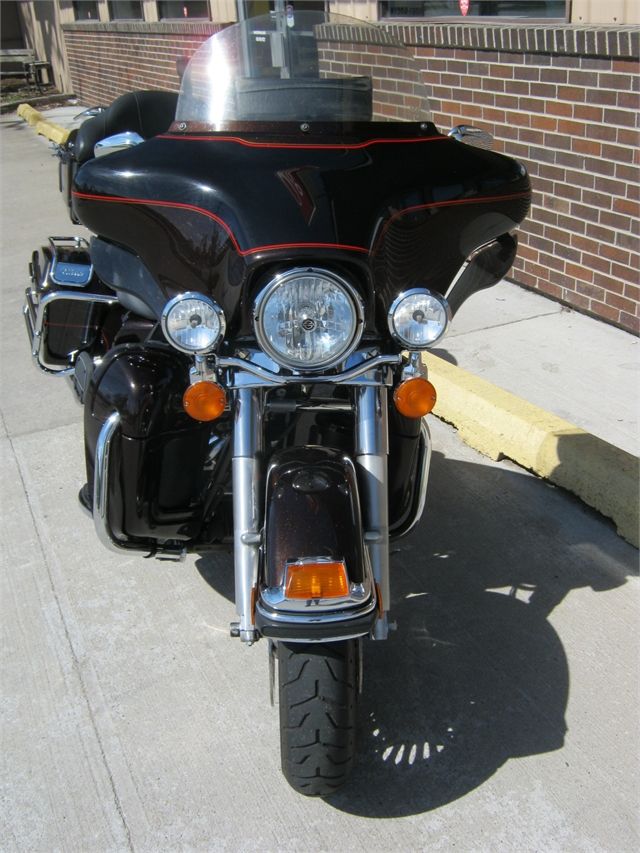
(317, 684)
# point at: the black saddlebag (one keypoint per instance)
(164, 472)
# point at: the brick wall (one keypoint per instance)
(398, 90)
(573, 121)
(107, 60)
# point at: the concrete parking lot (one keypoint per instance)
(501, 715)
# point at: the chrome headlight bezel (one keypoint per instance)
(417, 291)
(211, 304)
(351, 341)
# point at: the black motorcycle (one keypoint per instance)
(274, 249)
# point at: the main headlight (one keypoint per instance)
(308, 319)
(193, 323)
(418, 318)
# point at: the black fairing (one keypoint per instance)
(312, 510)
(400, 205)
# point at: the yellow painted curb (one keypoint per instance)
(54, 132)
(29, 114)
(500, 425)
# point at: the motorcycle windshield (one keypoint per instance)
(301, 67)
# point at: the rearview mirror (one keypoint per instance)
(471, 136)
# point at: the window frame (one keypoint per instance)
(159, 3)
(477, 20)
(74, 7)
(113, 17)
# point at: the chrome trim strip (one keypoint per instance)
(466, 263)
(275, 598)
(350, 376)
(286, 617)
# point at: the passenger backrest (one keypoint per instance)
(146, 113)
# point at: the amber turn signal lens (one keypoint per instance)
(317, 580)
(204, 401)
(415, 397)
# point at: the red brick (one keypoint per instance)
(591, 291)
(613, 285)
(620, 302)
(588, 113)
(504, 72)
(632, 291)
(621, 205)
(614, 81)
(595, 262)
(621, 256)
(550, 289)
(630, 322)
(579, 272)
(587, 146)
(615, 220)
(628, 137)
(624, 118)
(571, 93)
(578, 300)
(625, 273)
(573, 128)
(607, 312)
(543, 122)
(603, 96)
(559, 108)
(625, 66)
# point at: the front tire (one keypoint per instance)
(318, 687)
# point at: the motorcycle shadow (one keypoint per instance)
(475, 674)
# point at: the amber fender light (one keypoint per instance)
(204, 401)
(317, 580)
(415, 397)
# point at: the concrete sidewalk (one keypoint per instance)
(501, 715)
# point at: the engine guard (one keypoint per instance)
(312, 513)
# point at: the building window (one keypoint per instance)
(120, 10)
(173, 9)
(85, 10)
(475, 9)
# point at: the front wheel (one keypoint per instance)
(318, 688)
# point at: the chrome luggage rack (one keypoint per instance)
(63, 280)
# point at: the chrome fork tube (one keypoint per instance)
(247, 503)
(372, 450)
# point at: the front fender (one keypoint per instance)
(312, 511)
